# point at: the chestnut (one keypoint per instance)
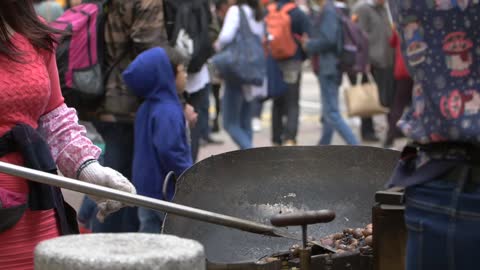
(367, 232)
(337, 236)
(358, 233)
(369, 240)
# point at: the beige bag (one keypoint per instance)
(363, 99)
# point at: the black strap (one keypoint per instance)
(36, 155)
(451, 150)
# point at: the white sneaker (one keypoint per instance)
(256, 125)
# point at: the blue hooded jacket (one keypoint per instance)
(160, 131)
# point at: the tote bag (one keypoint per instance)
(243, 60)
(363, 100)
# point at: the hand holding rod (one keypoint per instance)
(142, 201)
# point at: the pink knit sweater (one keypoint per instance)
(30, 93)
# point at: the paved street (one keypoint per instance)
(310, 127)
(309, 131)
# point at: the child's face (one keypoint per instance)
(181, 79)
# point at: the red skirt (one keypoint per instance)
(18, 243)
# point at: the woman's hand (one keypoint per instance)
(95, 173)
(217, 46)
(304, 40)
(190, 115)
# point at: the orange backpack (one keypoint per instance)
(280, 40)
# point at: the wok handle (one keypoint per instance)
(169, 178)
(303, 218)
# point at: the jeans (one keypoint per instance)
(257, 108)
(443, 221)
(118, 139)
(286, 106)
(150, 220)
(237, 115)
(331, 118)
(200, 102)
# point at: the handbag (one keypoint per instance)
(363, 99)
(243, 60)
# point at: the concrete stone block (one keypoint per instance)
(129, 251)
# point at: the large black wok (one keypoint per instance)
(259, 183)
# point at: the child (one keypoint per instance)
(158, 76)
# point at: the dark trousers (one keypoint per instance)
(119, 140)
(286, 106)
(403, 97)
(216, 95)
(200, 102)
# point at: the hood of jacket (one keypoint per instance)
(150, 76)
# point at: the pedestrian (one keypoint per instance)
(403, 93)
(286, 108)
(131, 27)
(221, 8)
(372, 16)
(237, 100)
(441, 169)
(325, 43)
(161, 146)
(40, 132)
(48, 9)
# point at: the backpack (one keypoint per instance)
(80, 55)
(188, 28)
(280, 39)
(353, 48)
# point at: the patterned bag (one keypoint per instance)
(243, 60)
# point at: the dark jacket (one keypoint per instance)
(160, 129)
(300, 25)
(373, 19)
(326, 39)
(36, 155)
(132, 26)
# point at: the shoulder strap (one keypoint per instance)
(244, 25)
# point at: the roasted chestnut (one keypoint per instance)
(358, 233)
(337, 236)
(369, 240)
(367, 232)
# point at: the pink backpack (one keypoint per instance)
(80, 55)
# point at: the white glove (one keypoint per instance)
(95, 173)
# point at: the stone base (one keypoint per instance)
(132, 251)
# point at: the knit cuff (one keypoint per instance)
(89, 170)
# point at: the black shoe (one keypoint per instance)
(370, 138)
(388, 144)
(209, 140)
(215, 127)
